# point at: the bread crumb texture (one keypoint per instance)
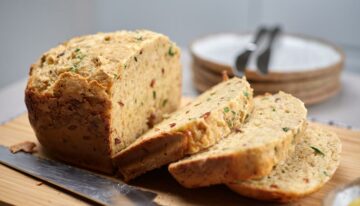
(195, 127)
(26, 146)
(93, 95)
(313, 163)
(251, 151)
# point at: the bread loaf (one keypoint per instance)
(197, 126)
(267, 137)
(92, 96)
(314, 162)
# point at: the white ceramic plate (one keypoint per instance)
(291, 53)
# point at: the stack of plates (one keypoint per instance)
(306, 67)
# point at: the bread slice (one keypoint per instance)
(314, 162)
(193, 128)
(265, 139)
(92, 96)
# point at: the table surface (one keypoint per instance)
(342, 109)
(37, 192)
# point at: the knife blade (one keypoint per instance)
(100, 189)
(243, 58)
(263, 59)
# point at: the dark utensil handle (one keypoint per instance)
(259, 33)
(273, 34)
(242, 59)
(264, 57)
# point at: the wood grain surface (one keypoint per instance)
(310, 91)
(19, 189)
(293, 86)
(315, 96)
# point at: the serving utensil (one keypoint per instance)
(263, 59)
(243, 58)
(94, 187)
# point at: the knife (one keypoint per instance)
(243, 58)
(100, 189)
(264, 57)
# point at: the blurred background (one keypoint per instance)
(29, 28)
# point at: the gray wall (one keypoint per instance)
(29, 28)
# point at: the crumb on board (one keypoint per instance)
(26, 146)
(225, 76)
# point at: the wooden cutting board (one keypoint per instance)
(19, 189)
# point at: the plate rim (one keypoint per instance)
(272, 76)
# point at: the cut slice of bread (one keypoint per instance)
(313, 163)
(265, 139)
(195, 127)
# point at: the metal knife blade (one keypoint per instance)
(243, 58)
(100, 189)
(264, 57)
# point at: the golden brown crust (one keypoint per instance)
(65, 122)
(267, 194)
(169, 146)
(87, 101)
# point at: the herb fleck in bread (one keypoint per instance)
(193, 128)
(92, 96)
(314, 162)
(265, 139)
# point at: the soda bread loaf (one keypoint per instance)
(314, 162)
(265, 139)
(92, 96)
(197, 126)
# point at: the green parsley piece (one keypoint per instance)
(171, 52)
(246, 94)
(229, 123)
(164, 102)
(317, 151)
(74, 68)
(285, 129)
